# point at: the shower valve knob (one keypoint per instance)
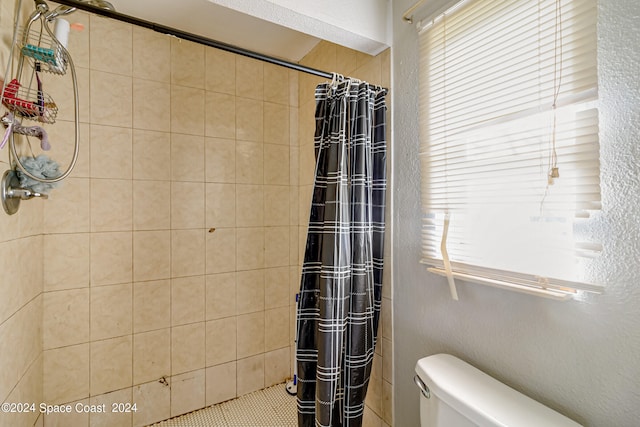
(11, 194)
(25, 194)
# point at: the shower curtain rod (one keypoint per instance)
(192, 37)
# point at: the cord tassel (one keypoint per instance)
(445, 258)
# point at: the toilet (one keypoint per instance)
(455, 394)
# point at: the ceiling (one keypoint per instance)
(205, 18)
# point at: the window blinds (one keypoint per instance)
(509, 143)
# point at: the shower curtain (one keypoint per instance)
(341, 284)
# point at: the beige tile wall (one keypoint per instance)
(170, 250)
(21, 278)
(376, 70)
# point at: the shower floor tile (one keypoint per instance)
(271, 407)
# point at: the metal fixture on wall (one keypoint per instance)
(43, 51)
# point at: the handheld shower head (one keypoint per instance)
(64, 10)
(102, 4)
(59, 11)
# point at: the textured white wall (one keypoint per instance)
(581, 358)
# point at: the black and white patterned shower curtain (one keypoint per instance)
(341, 285)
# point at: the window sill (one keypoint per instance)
(558, 294)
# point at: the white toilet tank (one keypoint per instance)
(460, 395)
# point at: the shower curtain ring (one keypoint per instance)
(335, 79)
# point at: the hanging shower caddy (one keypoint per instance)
(39, 51)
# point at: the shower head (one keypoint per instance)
(101, 4)
(59, 11)
(64, 10)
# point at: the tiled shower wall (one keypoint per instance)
(168, 254)
(21, 311)
(21, 274)
(375, 70)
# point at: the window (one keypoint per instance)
(509, 144)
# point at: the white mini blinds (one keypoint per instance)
(509, 144)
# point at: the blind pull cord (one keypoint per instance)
(445, 258)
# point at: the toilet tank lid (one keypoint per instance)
(483, 399)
